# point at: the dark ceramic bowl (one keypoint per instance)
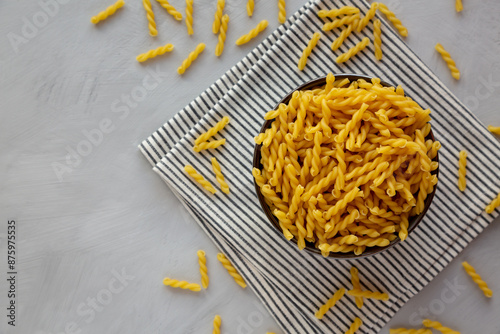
(413, 221)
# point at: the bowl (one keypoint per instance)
(370, 251)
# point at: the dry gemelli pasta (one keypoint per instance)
(191, 57)
(218, 16)
(222, 35)
(329, 303)
(346, 20)
(220, 178)
(458, 6)
(409, 331)
(217, 324)
(181, 284)
(394, 20)
(231, 270)
(155, 52)
(377, 39)
(477, 279)
(150, 17)
(198, 178)
(250, 7)
(212, 131)
(494, 129)
(307, 51)
(455, 73)
(345, 166)
(170, 9)
(282, 11)
(189, 17)
(107, 12)
(209, 145)
(462, 163)
(252, 33)
(354, 326)
(495, 203)
(353, 51)
(356, 285)
(337, 43)
(436, 325)
(346, 10)
(369, 15)
(368, 294)
(202, 262)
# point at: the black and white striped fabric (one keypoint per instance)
(292, 283)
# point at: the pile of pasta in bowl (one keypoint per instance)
(346, 166)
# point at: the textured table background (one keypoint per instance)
(96, 237)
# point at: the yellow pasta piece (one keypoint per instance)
(220, 178)
(346, 10)
(107, 12)
(218, 16)
(330, 303)
(202, 262)
(198, 178)
(222, 35)
(181, 284)
(438, 326)
(282, 11)
(458, 6)
(409, 331)
(189, 17)
(462, 163)
(369, 15)
(354, 326)
(252, 33)
(212, 131)
(455, 73)
(377, 39)
(307, 51)
(217, 324)
(191, 57)
(477, 279)
(346, 20)
(250, 7)
(337, 43)
(150, 17)
(155, 52)
(353, 51)
(394, 20)
(494, 129)
(209, 145)
(356, 286)
(368, 294)
(170, 9)
(495, 203)
(231, 270)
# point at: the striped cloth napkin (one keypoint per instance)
(291, 283)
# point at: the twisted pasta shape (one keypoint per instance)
(212, 131)
(346, 20)
(369, 242)
(231, 270)
(341, 204)
(217, 323)
(151, 17)
(346, 10)
(285, 223)
(155, 52)
(394, 20)
(330, 303)
(342, 166)
(368, 294)
(357, 117)
(191, 57)
(353, 51)
(202, 262)
(294, 204)
(252, 33)
(198, 178)
(326, 248)
(307, 51)
(377, 39)
(356, 285)
(438, 326)
(282, 11)
(316, 161)
(409, 331)
(369, 15)
(354, 326)
(189, 17)
(361, 230)
(170, 9)
(343, 36)
(494, 129)
(455, 73)
(458, 6)
(250, 7)
(222, 35)
(218, 175)
(218, 16)
(403, 226)
(325, 182)
(346, 240)
(462, 163)
(107, 12)
(209, 145)
(495, 203)
(181, 284)
(477, 279)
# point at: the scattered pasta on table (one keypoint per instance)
(222, 35)
(252, 33)
(307, 51)
(189, 17)
(202, 262)
(170, 9)
(231, 270)
(155, 52)
(199, 179)
(107, 12)
(218, 16)
(477, 279)
(330, 303)
(462, 163)
(181, 284)
(150, 16)
(438, 326)
(191, 57)
(455, 73)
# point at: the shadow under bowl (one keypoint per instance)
(310, 247)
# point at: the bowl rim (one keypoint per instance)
(370, 251)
